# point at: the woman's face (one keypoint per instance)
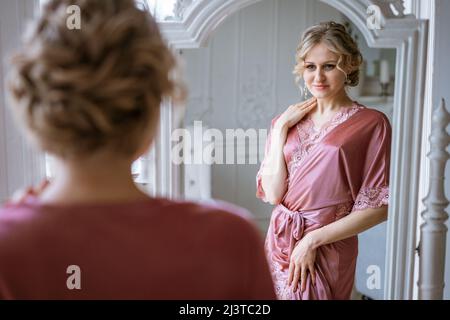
(322, 77)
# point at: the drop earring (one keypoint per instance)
(347, 80)
(305, 92)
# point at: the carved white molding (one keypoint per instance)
(180, 8)
(201, 17)
(199, 20)
(433, 232)
(387, 7)
(408, 36)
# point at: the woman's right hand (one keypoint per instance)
(294, 113)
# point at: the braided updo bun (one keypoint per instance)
(78, 91)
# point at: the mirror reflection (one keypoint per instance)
(241, 83)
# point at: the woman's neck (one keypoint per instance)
(106, 182)
(333, 104)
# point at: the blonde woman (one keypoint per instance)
(326, 169)
(91, 98)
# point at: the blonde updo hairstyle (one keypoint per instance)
(339, 41)
(95, 88)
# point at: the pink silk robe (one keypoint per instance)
(153, 248)
(336, 170)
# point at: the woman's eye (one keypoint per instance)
(310, 67)
(329, 66)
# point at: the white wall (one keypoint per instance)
(19, 165)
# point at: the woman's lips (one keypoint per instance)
(320, 87)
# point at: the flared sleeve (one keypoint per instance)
(374, 190)
(259, 189)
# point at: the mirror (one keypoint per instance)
(240, 78)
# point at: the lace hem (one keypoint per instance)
(371, 198)
(282, 290)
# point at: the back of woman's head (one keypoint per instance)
(99, 87)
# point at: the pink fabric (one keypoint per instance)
(151, 249)
(341, 168)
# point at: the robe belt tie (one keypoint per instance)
(293, 218)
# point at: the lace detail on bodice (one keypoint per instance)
(372, 198)
(308, 136)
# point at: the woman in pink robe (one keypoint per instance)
(332, 172)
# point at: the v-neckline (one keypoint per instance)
(331, 120)
(308, 138)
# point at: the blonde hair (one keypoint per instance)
(94, 88)
(339, 41)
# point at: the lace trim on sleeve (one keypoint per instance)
(371, 198)
(259, 189)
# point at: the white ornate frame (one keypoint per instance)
(405, 33)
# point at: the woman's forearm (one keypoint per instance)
(351, 225)
(274, 173)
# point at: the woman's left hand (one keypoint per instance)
(21, 195)
(302, 260)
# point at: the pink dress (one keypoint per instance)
(149, 249)
(332, 172)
